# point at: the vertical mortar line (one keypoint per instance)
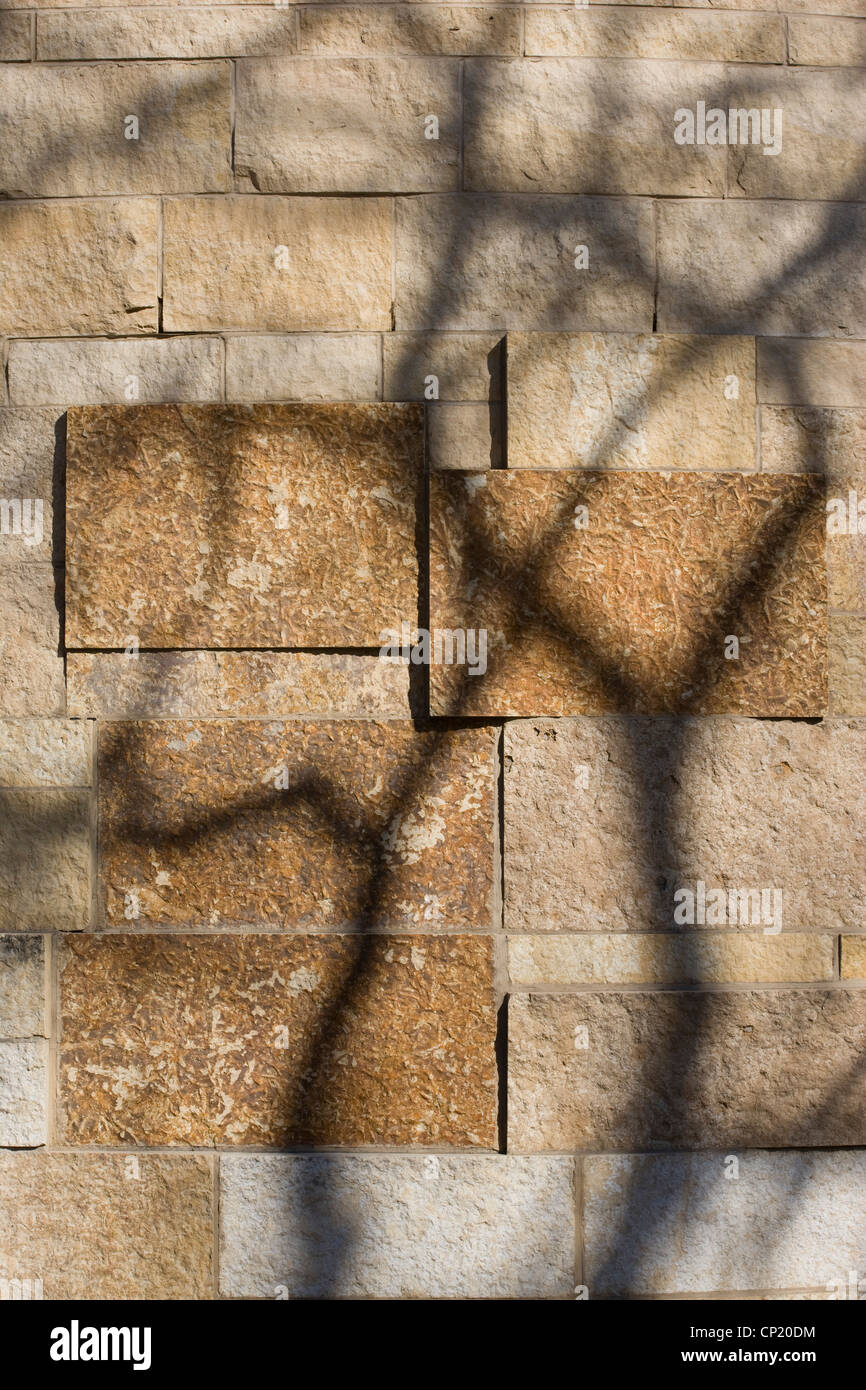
(232, 110)
(50, 967)
(579, 1242)
(501, 977)
(223, 367)
(94, 825)
(159, 264)
(33, 23)
(837, 957)
(759, 466)
(215, 1162)
(787, 40)
(393, 324)
(297, 26)
(382, 367)
(523, 31)
(4, 369)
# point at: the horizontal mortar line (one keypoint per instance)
(263, 1150)
(170, 931)
(830, 986)
(236, 651)
(685, 1151)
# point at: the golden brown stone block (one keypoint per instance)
(241, 526)
(267, 1040)
(625, 591)
(297, 824)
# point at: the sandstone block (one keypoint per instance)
(442, 366)
(22, 986)
(762, 266)
(656, 958)
(605, 819)
(15, 38)
(699, 1231)
(278, 264)
(190, 32)
(847, 664)
(463, 434)
(301, 824)
(570, 125)
(159, 550)
(338, 125)
(31, 668)
(29, 442)
(819, 41)
(108, 1225)
(69, 267)
(253, 685)
(619, 400)
(44, 859)
(625, 591)
(624, 1071)
(23, 1093)
(804, 371)
(371, 1226)
(264, 1040)
(67, 130)
(418, 29)
(93, 371)
(303, 367)
(44, 753)
(517, 262)
(854, 957)
(696, 35)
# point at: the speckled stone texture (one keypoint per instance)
(22, 986)
(680, 1223)
(265, 1040)
(623, 1071)
(31, 665)
(225, 521)
(367, 1226)
(847, 664)
(605, 818)
(853, 966)
(617, 400)
(178, 685)
(666, 958)
(108, 1226)
(632, 611)
(23, 1092)
(45, 753)
(302, 824)
(45, 846)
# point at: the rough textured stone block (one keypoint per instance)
(22, 986)
(162, 547)
(298, 824)
(854, 957)
(168, 33)
(367, 1226)
(335, 125)
(107, 1225)
(23, 1093)
(832, 443)
(616, 958)
(78, 267)
(821, 154)
(847, 665)
(646, 33)
(44, 859)
(815, 40)
(633, 611)
(91, 372)
(184, 131)
(255, 685)
(762, 267)
(264, 1040)
(510, 262)
(803, 371)
(563, 125)
(621, 1071)
(678, 1223)
(44, 753)
(435, 29)
(442, 366)
(29, 442)
(303, 367)
(630, 401)
(277, 263)
(15, 38)
(31, 669)
(463, 434)
(606, 818)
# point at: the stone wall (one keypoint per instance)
(329, 975)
